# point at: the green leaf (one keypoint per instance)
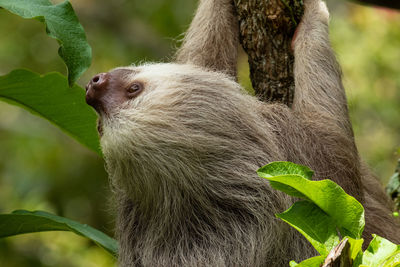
(50, 97)
(393, 260)
(22, 222)
(382, 253)
(285, 167)
(312, 222)
(311, 262)
(355, 250)
(62, 25)
(345, 210)
(282, 168)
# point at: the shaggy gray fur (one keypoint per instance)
(182, 157)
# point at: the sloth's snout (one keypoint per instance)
(98, 82)
(96, 90)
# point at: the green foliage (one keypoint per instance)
(50, 97)
(314, 261)
(355, 251)
(284, 168)
(62, 25)
(326, 208)
(381, 252)
(22, 222)
(344, 210)
(313, 223)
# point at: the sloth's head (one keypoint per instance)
(155, 90)
(170, 117)
(111, 91)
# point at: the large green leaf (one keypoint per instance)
(345, 210)
(62, 25)
(313, 223)
(382, 253)
(22, 222)
(50, 97)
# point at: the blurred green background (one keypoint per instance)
(42, 168)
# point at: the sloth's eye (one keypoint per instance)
(134, 89)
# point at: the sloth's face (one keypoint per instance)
(129, 90)
(107, 91)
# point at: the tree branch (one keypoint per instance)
(266, 31)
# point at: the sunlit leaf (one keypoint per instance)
(381, 252)
(346, 211)
(355, 249)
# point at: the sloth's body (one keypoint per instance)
(183, 158)
(182, 145)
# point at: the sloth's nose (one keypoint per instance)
(96, 90)
(98, 82)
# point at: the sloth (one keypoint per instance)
(182, 142)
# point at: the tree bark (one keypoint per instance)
(266, 31)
